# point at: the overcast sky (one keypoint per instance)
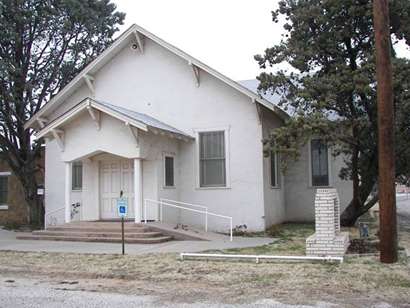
(225, 34)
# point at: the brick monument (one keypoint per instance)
(327, 240)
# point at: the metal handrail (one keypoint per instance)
(161, 203)
(49, 213)
(186, 203)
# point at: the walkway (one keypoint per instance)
(8, 241)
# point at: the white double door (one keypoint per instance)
(116, 176)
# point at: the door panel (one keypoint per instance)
(114, 177)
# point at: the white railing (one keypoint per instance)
(162, 203)
(205, 208)
(48, 221)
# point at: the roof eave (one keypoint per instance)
(88, 102)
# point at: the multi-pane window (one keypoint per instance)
(169, 171)
(4, 183)
(319, 163)
(77, 176)
(212, 160)
(273, 169)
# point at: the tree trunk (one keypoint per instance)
(35, 207)
(353, 212)
(350, 215)
(27, 176)
(357, 207)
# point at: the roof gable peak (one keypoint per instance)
(137, 34)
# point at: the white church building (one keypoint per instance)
(147, 119)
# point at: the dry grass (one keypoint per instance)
(358, 282)
(163, 274)
(290, 239)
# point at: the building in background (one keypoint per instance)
(13, 206)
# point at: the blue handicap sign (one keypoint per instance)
(122, 206)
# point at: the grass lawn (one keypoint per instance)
(290, 240)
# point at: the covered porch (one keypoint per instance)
(107, 149)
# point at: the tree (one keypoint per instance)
(43, 45)
(331, 87)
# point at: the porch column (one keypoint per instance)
(138, 190)
(67, 192)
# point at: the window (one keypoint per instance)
(212, 162)
(319, 163)
(77, 176)
(273, 169)
(169, 171)
(4, 187)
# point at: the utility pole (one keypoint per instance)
(385, 114)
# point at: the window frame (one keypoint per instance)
(77, 189)
(4, 205)
(164, 157)
(329, 172)
(277, 174)
(226, 131)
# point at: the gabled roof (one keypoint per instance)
(143, 118)
(253, 84)
(132, 33)
(129, 117)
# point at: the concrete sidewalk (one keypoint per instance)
(8, 241)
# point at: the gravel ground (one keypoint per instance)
(27, 293)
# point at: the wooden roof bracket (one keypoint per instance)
(59, 136)
(140, 43)
(134, 134)
(95, 116)
(42, 122)
(89, 80)
(195, 71)
(258, 110)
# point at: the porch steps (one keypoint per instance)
(107, 234)
(104, 232)
(95, 229)
(153, 240)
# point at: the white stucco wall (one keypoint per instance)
(82, 138)
(274, 197)
(81, 93)
(54, 180)
(154, 147)
(300, 195)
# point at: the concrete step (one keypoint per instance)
(98, 229)
(148, 240)
(78, 233)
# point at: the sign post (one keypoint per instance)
(122, 206)
(122, 236)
